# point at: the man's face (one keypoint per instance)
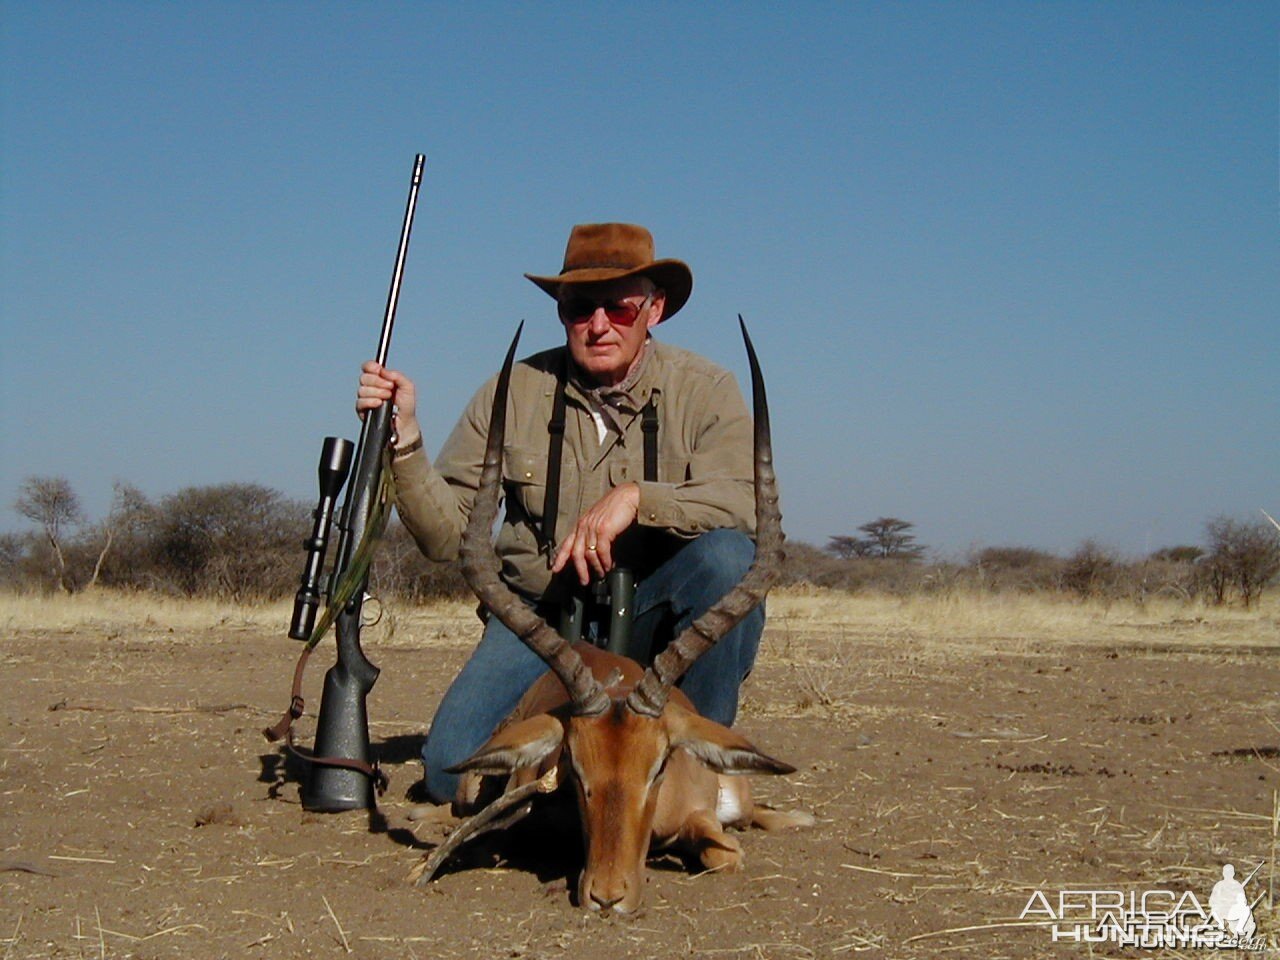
(605, 347)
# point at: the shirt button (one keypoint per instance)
(528, 475)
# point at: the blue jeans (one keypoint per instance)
(679, 591)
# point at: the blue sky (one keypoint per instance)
(1012, 268)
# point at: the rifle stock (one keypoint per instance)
(340, 775)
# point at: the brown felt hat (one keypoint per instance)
(607, 251)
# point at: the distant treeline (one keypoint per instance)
(244, 541)
(1237, 561)
(238, 541)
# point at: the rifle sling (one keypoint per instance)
(283, 730)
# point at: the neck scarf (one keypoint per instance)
(608, 399)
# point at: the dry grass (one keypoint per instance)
(1001, 622)
(108, 609)
(1007, 622)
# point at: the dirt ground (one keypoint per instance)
(145, 816)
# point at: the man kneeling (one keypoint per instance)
(620, 450)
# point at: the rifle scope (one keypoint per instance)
(335, 464)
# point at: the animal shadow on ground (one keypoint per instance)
(547, 844)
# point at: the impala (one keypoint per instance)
(646, 769)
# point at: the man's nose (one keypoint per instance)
(599, 322)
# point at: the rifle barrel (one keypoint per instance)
(393, 296)
(377, 423)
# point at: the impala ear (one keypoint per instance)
(721, 749)
(521, 744)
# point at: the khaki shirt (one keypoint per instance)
(704, 462)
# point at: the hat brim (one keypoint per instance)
(673, 277)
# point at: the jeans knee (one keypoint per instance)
(436, 755)
(720, 557)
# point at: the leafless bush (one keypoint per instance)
(1243, 558)
(401, 571)
(235, 540)
(244, 540)
(1016, 569)
(806, 564)
(25, 562)
(1183, 553)
(52, 503)
(1092, 572)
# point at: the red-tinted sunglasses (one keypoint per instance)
(621, 312)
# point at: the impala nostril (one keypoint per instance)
(603, 903)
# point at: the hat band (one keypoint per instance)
(601, 266)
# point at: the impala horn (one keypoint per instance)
(480, 566)
(649, 696)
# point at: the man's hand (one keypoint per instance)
(590, 545)
(378, 385)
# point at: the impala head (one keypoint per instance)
(616, 761)
(615, 745)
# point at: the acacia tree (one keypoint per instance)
(890, 537)
(52, 503)
(886, 538)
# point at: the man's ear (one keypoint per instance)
(660, 302)
(522, 744)
(722, 749)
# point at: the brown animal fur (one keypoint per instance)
(641, 782)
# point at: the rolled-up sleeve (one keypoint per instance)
(434, 502)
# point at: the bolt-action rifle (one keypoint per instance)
(341, 776)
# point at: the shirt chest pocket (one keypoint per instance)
(624, 471)
(670, 470)
(524, 477)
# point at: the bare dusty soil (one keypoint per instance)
(145, 816)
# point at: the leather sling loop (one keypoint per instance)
(283, 730)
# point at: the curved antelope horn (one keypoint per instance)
(480, 567)
(649, 696)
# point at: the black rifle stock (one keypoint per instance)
(342, 727)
